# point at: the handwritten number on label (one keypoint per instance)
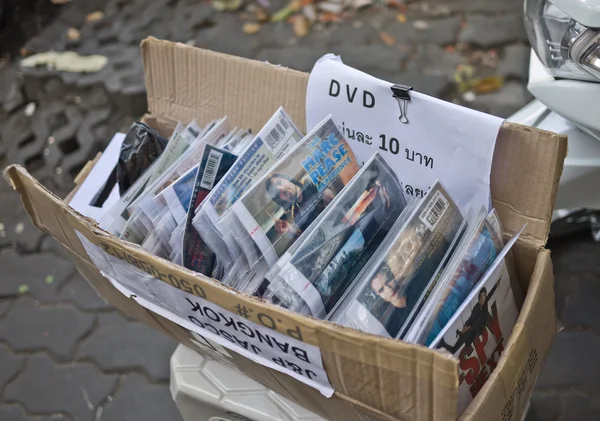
(393, 144)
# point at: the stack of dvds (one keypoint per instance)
(298, 221)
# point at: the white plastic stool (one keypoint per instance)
(205, 389)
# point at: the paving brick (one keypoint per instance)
(505, 102)
(137, 399)
(372, 58)
(42, 273)
(14, 412)
(580, 407)
(439, 31)
(545, 406)
(133, 340)
(487, 31)
(297, 58)
(573, 361)
(515, 62)
(485, 6)
(432, 60)
(583, 307)
(29, 327)
(10, 365)
(75, 389)
(4, 305)
(347, 35)
(575, 260)
(49, 244)
(14, 97)
(227, 37)
(78, 291)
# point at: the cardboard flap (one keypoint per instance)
(186, 83)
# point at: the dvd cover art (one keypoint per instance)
(478, 255)
(272, 142)
(478, 332)
(178, 195)
(281, 206)
(214, 165)
(319, 270)
(392, 291)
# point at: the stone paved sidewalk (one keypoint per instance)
(64, 353)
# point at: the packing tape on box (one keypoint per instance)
(255, 342)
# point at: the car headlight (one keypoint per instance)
(567, 48)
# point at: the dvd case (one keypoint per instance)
(315, 272)
(390, 293)
(478, 250)
(272, 142)
(479, 330)
(196, 255)
(278, 208)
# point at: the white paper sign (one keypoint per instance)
(256, 342)
(95, 181)
(441, 140)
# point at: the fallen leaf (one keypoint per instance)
(328, 17)
(310, 12)
(295, 5)
(307, 2)
(301, 26)
(94, 16)
(463, 73)
(401, 17)
(73, 34)
(261, 15)
(49, 279)
(421, 25)
(396, 4)
(360, 4)
(450, 49)
(282, 14)
(233, 5)
(387, 38)
(23, 288)
(24, 52)
(219, 6)
(66, 61)
(251, 28)
(335, 8)
(60, 1)
(486, 85)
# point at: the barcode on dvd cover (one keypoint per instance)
(435, 209)
(212, 163)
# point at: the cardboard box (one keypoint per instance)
(374, 378)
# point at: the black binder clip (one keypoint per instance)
(400, 92)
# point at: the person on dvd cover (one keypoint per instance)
(479, 319)
(295, 192)
(404, 274)
(301, 200)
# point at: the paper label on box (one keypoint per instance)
(258, 343)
